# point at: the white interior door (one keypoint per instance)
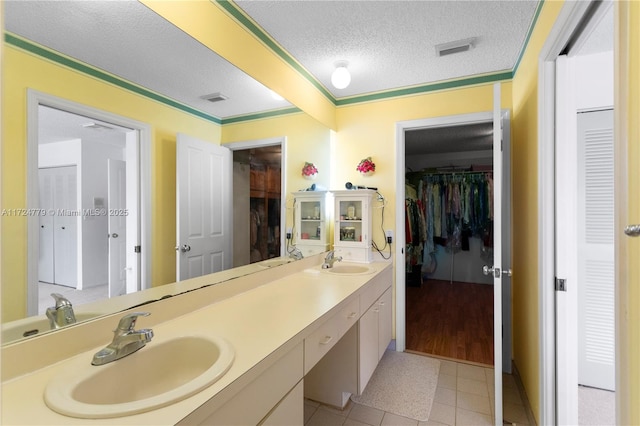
(498, 268)
(566, 245)
(203, 183)
(45, 254)
(117, 226)
(65, 226)
(596, 262)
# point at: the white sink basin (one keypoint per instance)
(35, 325)
(155, 376)
(350, 269)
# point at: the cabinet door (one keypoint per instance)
(385, 321)
(368, 352)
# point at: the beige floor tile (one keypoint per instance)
(446, 381)
(472, 372)
(344, 412)
(431, 423)
(472, 386)
(471, 418)
(443, 414)
(325, 418)
(448, 367)
(365, 414)
(471, 402)
(309, 409)
(512, 396)
(445, 396)
(352, 422)
(391, 419)
(514, 413)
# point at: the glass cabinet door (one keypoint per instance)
(350, 220)
(311, 218)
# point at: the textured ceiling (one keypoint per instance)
(127, 39)
(391, 44)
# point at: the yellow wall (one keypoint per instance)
(627, 146)
(21, 71)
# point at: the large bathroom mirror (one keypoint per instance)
(127, 46)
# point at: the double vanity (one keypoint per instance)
(244, 351)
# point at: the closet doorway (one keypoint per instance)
(449, 309)
(449, 301)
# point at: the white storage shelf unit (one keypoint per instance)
(352, 231)
(311, 229)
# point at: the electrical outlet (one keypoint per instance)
(389, 235)
(289, 233)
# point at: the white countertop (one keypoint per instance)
(261, 324)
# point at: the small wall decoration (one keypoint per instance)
(366, 166)
(309, 171)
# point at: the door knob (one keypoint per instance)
(184, 248)
(114, 235)
(487, 270)
(632, 230)
(495, 271)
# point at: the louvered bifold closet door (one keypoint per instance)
(596, 277)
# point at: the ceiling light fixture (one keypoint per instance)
(341, 76)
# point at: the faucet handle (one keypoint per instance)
(128, 322)
(60, 300)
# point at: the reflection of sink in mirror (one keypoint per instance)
(350, 269)
(276, 261)
(35, 325)
(155, 376)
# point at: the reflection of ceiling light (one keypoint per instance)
(275, 96)
(341, 76)
(215, 97)
(455, 46)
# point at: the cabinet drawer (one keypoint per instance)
(348, 316)
(319, 343)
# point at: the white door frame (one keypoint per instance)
(568, 20)
(261, 143)
(143, 130)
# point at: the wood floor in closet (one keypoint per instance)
(452, 320)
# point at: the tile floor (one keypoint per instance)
(464, 396)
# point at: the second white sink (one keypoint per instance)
(350, 269)
(155, 376)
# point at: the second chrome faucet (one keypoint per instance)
(126, 340)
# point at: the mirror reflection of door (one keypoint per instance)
(83, 165)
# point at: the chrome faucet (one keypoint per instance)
(126, 340)
(330, 259)
(295, 254)
(61, 314)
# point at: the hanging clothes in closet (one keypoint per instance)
(455, 206)
(415, 228)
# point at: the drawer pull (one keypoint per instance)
(382, 303)
(352, 315)
(376, 310)
(326, 340)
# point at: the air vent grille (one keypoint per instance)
(215, 97)
(455, 46)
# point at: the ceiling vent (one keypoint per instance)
(455, 46)
(215, 97)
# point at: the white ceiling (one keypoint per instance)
(389, 44)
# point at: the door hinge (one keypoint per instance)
(561, 284)
(137, 249)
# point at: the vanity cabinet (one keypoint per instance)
(311, 225)
(374, 337)
(352, 231)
